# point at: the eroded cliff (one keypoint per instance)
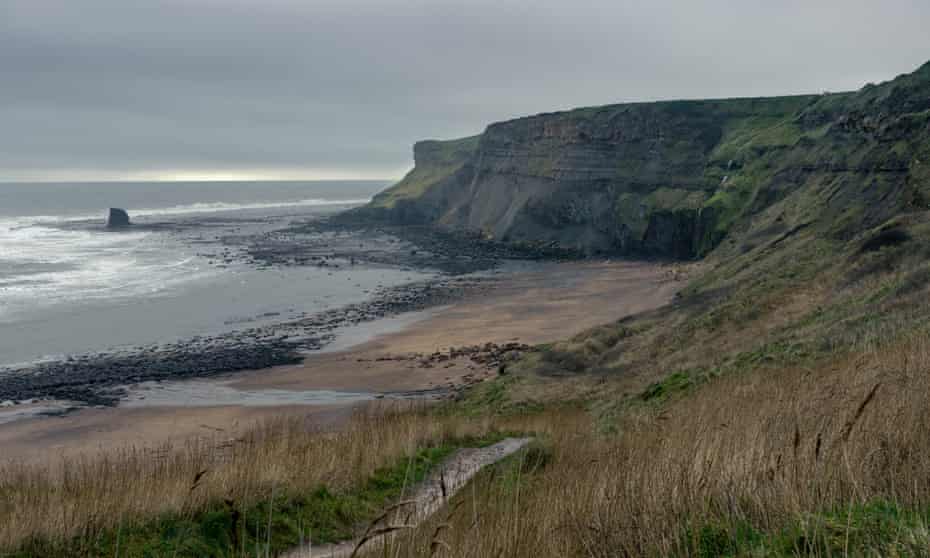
(673, 179)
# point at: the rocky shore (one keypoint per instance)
(349, 238)
(102, 379)
(482, 362)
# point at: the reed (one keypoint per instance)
(825, 461)
(78, 498)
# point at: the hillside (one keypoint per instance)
(673, 179)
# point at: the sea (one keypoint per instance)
(69, 286)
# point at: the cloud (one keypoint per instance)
(112, 88)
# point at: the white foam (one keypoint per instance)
(32, 410)
(207, 393)
(214, 207)
(42, 263)
(59, 265)
(188, 209)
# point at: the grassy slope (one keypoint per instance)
(442, 160)
(274, 524)
(778, 410)
(777, 461)
(263, 493)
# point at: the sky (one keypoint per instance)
(330, 89)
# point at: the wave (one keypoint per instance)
(43, 262)
(12, 223)
(215, 207)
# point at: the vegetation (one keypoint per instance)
(263, 493)
(436, 160)
(276, 523)
(824, 461)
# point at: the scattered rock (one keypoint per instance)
(98, 379)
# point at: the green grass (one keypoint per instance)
(633, 209)
(744, 136)
(677, 382)
(436, 160)
(875, 528)
(225, 529)
(493, 397)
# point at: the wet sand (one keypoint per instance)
(551, 302)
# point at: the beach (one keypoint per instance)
(541, 303)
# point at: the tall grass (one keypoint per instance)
(827, 461)
(79, 498)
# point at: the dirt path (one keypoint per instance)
(426, 498)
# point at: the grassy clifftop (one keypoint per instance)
(434, 161)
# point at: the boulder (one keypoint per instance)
(118, 218)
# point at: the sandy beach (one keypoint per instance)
(550, 302)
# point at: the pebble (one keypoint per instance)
(99, 379)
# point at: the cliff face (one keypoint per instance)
(673, 179)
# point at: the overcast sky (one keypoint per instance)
(122, 89)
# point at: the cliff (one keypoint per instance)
(673, 179)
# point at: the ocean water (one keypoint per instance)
(69, 286)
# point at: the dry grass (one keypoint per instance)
(791, 457)
(76, 500)
(78, 497)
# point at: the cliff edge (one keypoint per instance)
(674, 179)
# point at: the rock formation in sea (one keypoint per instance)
(118, 218)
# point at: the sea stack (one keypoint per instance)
(118, 218)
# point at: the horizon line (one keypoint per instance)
(175, 180)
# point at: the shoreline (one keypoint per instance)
(443, 350)
(101, 378)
